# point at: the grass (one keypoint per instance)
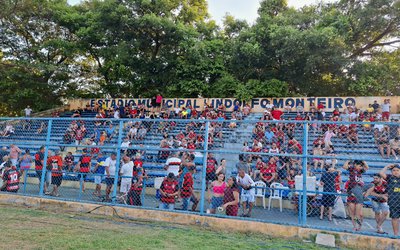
(27, 228)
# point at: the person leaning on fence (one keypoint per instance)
(379, 201)
(10, 178)
(328, 198)
(169, 190)
(231, 197)
(393, 188)
(355, 189)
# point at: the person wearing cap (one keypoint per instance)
(393, 189)
(395, 147)
(379, 201)
(355, 189)
(10, 178)
(99, 170)
(168, 189)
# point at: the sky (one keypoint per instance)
(240, 9)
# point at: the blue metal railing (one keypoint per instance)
(303, 132)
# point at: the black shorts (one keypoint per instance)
(109, 181)
(56, 180)
(211, 176)
(39, 175)
(328, 200)
(82, 175)
(9, 191)
(394, 210)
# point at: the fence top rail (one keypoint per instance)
(247, 121)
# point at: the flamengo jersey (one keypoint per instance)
(187, 185)
(85, 160)
(169, 187)
(11, 177)
(211, 163)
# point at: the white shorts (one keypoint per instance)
(247, 196)
(98, 179)
(125, 185)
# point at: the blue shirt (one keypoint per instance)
(101, 168)
(269, 135)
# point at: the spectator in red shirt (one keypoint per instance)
(276, 114)
(379, 201)
(169, 189)
(186, 192)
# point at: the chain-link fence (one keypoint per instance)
(329, 175)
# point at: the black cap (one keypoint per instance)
(171, 175)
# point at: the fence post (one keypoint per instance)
(304, 170)
(117, 166)
(46, 155)
(204, 169)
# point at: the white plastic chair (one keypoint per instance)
(276, 194)
(260, 187)
(157, 182)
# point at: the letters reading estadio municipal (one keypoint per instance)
(257, 104)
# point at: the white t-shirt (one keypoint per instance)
(269, 106)
(127, 169)
(28, 111)
(246, 180)
(379, 127)
(111, 164)
(133, 131)
(116, 114)
(385, 107)
(173, 164)
(125, 144)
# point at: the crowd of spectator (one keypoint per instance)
(267, 137)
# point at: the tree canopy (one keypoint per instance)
(50, 50)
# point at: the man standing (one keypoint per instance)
(28, 111)
(379, 201)
(99, 171)
(248, 194)
(83, 166)
(186, 192)
(39, 162)
(173, 164)
(393, 189)
(110, 165)
(126, 173)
